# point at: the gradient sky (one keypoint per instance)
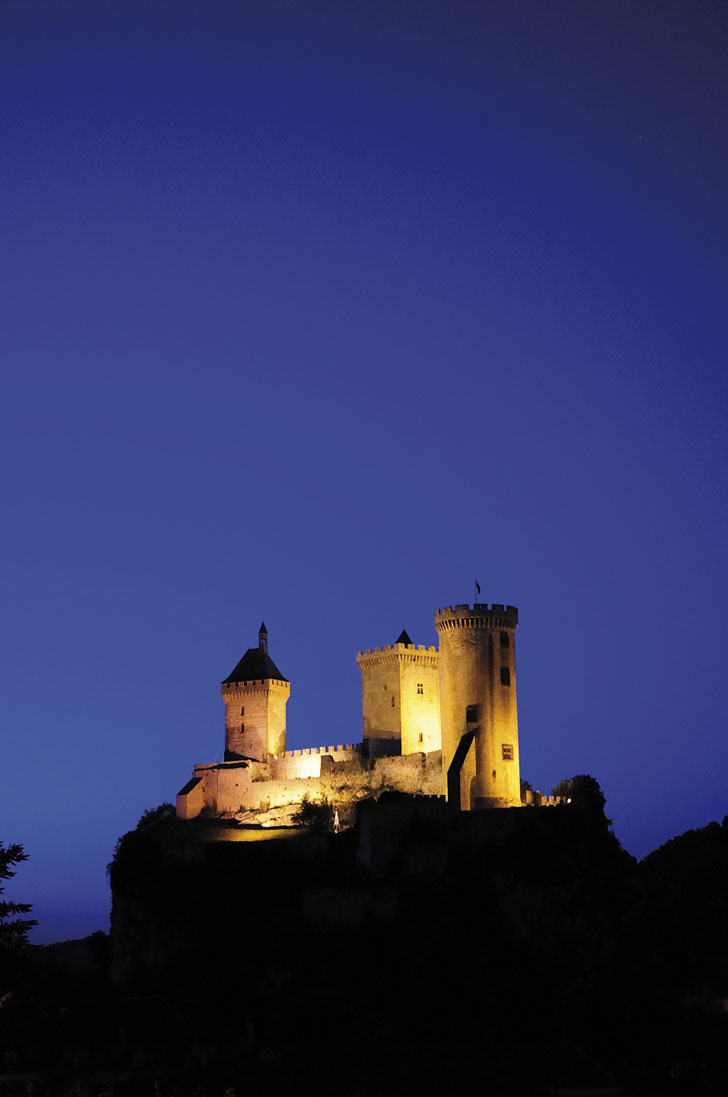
(316, 312)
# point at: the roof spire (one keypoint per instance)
(403, 638)
(263, 637)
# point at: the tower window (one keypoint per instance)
(242, 728)
(421, 738)
(392, 700)
(505, 676)
(507, 749)
(242, 711)
(420, 687)
(505, 640)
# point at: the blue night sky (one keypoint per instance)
(316, 312)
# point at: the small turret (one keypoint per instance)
(263, 637)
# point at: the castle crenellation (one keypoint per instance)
(436, 721)
(493, 614)
(316, 750)
(479, 607)
(405, 648)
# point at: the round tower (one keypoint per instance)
(478, 705)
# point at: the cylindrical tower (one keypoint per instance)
(478, 705)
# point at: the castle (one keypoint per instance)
(436, 722)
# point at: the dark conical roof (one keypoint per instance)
(403, 638)
(255, 665)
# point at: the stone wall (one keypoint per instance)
(401, 695)
(229, 787)
(380, 686)
(349, 780)
(478, 693)
(255, 717)
(293, 764)
(191, 798)
(420, 701)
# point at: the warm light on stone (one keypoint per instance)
(478, 697)
(434, 723)
(401, 696)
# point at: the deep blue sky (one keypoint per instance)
(317, 311)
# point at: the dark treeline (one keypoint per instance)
(522, 951)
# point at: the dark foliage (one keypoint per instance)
(526, 786)
(147, 819)
(13, 928)
(153, 815)
(585, 793)
(417, 949)
(316, 814)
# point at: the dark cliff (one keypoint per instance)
(423, 937)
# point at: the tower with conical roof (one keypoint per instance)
(400, 698)
(255, 695)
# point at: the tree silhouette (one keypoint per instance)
(584, 792)
(13, 929)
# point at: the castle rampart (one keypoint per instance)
(414, 652)
(307, 763)
(426, 712)
(226, 788)
(479, 615)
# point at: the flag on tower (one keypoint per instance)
(477, 586)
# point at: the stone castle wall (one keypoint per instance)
(255, 717)
(380, 694)
(401, 695)
(420, 701)
(426, 713)
(295, 764)
(229, 787)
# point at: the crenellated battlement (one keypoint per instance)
(479, 615)
(306, 751)
(398, 652)
(275, 684)
(417, 732)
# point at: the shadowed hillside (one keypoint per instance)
(412, 954)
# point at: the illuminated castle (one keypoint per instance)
(435, 722)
